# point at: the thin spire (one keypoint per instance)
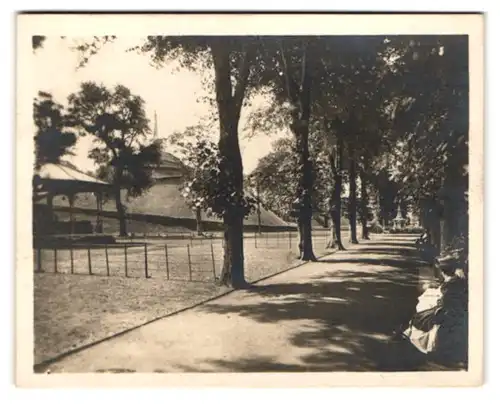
(155, 130)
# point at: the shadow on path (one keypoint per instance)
(350, 309)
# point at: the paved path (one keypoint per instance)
(333, 315)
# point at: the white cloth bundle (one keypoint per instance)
(425, 341)
(429, 299)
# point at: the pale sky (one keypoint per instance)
(172, 94)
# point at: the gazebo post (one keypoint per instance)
(71, 200)
(50, 202)
(259, 221)
(50, 205)
(98, 196)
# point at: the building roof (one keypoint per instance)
(167, 159)
(170, 167)
(61, 179)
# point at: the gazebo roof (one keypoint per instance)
(61, 179)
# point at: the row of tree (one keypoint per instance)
(388, 116)
(388, 113)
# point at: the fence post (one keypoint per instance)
(213, 260)
(289, 239)
(255, 238)
(90, 261)
(71, 257)
(166, 261)
(189, 263)
(107, 259)
(55, 260)
(146, 260)
(39, 259)
(126, 261)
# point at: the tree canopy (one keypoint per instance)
(53, 138)
(117, 122)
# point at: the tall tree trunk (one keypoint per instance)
(199, 223)
(233, 263)
(335, 216)
(231, 167)
(425, 218)
(300, 236)
(331, 243)
(307, 247)
(120, 209)
(376, 210)
(336, 201)
(304, 194)
(364, 205)
(300, 98)
(305, 188)
(352, 197)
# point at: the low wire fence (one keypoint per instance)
(289, 239)
(195, 259)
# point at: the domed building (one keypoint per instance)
(169, 170)
(162, 207)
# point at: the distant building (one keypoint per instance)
(162, 204)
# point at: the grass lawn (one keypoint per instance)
(72, 310)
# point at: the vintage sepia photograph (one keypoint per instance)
(225, 194)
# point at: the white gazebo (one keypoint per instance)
(58, 179)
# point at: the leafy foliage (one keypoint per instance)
(53, 139)
(117, 121)
(429, 158)
(88, 48)
(431, 119)
(277, 178)
(205, 186)
(37, 41)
